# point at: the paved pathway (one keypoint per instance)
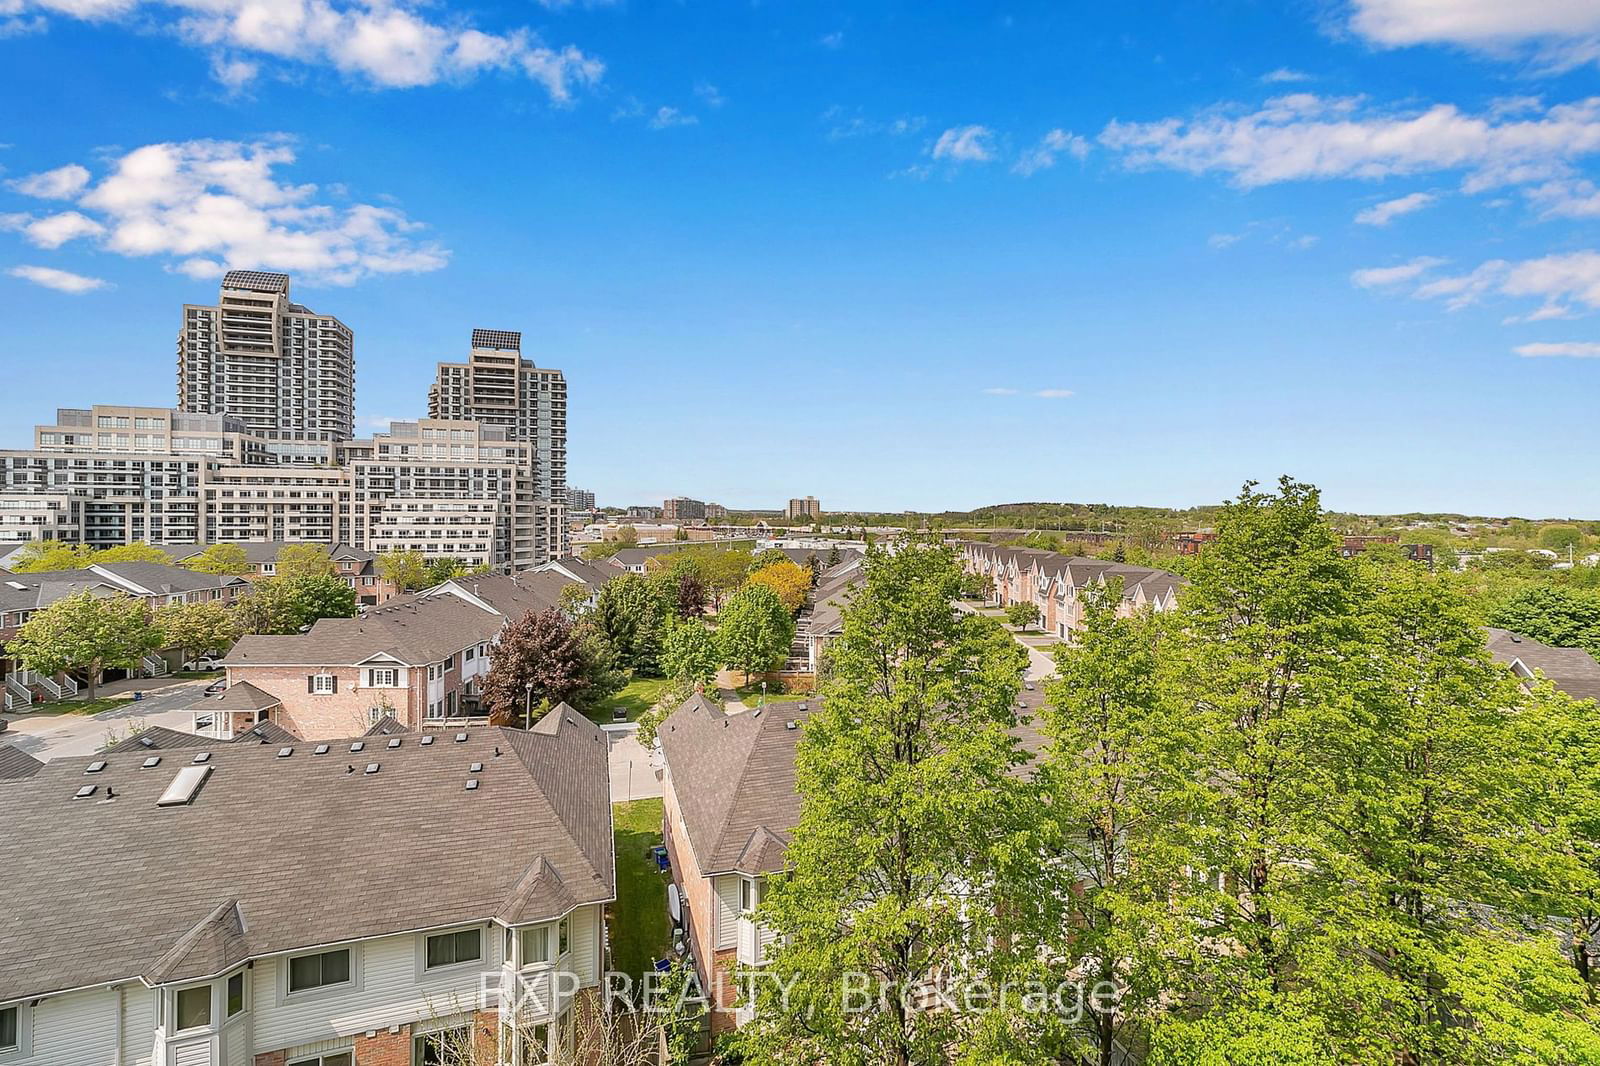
(54, 736)
(1040, 665)
(633, 769)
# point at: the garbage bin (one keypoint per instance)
(138, 695)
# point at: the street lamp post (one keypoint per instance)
(527, 706)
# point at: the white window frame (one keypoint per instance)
(22, 1046)
(422, 947)
(211, 1009)
(322, 685)
(244, 994)
(351, 982)
(322, 1058)
(391, 673)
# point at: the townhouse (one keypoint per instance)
(419, 659)
(265, 905)
(729, 805)
(1055, 583)
(157, 584)
(355, 566)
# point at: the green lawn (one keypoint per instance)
(81, 706)
(639, 696)
(750, 695)
(198, 675)
(641, 931)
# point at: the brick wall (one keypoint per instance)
(272, 1058)
(694, 890)
(384, 1048)
(344, 713)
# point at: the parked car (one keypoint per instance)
(216, 686)
(205, 662)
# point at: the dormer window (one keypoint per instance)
(192, 1009)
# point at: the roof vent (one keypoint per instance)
(395, 742)
(84, 793)
(791, 724)
(472, 784)
(461, 738)
(284, 753)
(426, 741)
(475, 768)
(320, 749)
(95, 767)
(146, 742)
(372, 768)
(757, 712)
(202, 756)
(152, 762)
(358, 745)
(184, 787)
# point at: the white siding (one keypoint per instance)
(138, 1026)
(191, 1053)
(727, 912)
(585, 945)
(236, 1043)
(387, 990)
(78, 1028)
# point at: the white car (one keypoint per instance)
(205, 662)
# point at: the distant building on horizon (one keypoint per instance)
(285, 371)
(579, 499)
(681, 509)
(804, 507)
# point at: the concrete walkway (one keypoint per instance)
(633, 769)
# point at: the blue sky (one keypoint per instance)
(899, 255)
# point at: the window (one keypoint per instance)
(194, 1008)
(383, 677)
(323, 685)
(447, 949)
(563, 936)
(535, 946)
(749, 894)
(236, 993)
(317, 971)
(441, 1048)
(10, 1028)
(335, 1058)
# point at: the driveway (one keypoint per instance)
(633, 769)
(55, 736)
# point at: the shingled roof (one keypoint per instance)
(110, 889)
(734, 778)
(1572, 670)
(416, 631)
(16, 763)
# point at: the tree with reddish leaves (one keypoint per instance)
(541, 659)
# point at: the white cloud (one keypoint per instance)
(210, 205)
(1389, 210)
(832, 40)
(1054, 394)
(385, 43)
(62, 183)
(53, 231)
(1043, 155)
(1566, 349)
(843, 124)
(965, 144)
(667, 117)
(1558, 281)
(1306, 137)
(1220, 241)
(60, 280)
(1490, 25)
(1377, 277)
(1283, 75)
(710, 94)
(998, 391)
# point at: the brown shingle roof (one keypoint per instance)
(734, 778)
(106, 890)
(1572, 670)
(416, 632)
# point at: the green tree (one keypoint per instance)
(86, 632)
(1552, 615)
(1561, 538)
(1022, 614)
(754, 631)
(1116, 905)
(762, 560)
(225, 560)
(627, 537)
(600, 550)
(629, 611)
(406, 570)
(270, 608)
(690, 654)
(196, 628)
(40, 556)
(320, 597)
(910, 815)
(133, 552)
(304, 560)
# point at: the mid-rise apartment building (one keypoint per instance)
(804, 507)
(280, 368)
(579, 499)
(107, 475)
(682, 509)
